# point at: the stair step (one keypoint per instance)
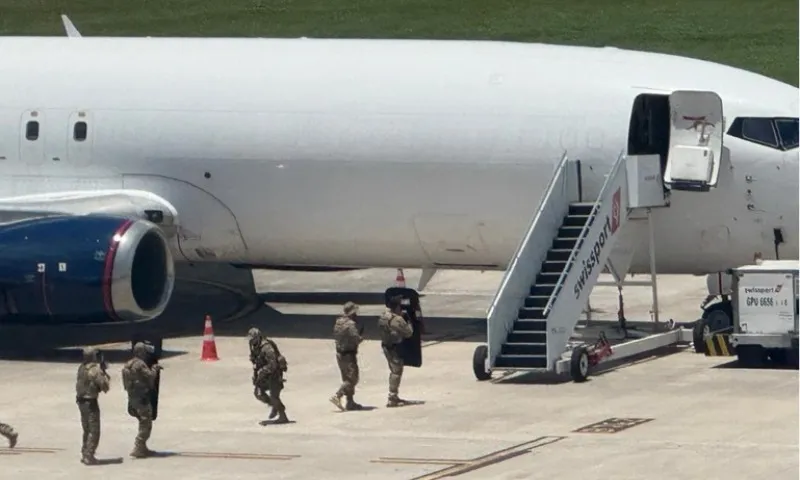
(524, 349)
(569, 232)
(530, 325)
(543, 289)
(580, 208)
(521, 361)
(557, 266)
(555, 254)
(527, 337)
(536, 301)
(575, 220)
(547, 278)
(531, 313)
(564, 243)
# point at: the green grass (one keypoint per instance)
(756, 35)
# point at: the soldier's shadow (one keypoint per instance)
(162, 454)
(109, 461)
(364, 408)
(265, 423)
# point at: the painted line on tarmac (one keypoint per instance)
(460, 467)
(21, 450)
(231, 456)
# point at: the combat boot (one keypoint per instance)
(352, 405)
(89, 460)
(336, 400)
(140, 450)
(12, 440)
(273, 413)
(395, 401)
(282, 418)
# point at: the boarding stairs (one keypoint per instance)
(556, 265)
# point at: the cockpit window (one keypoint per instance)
(777, 133)
(787, 129)
(759, 130)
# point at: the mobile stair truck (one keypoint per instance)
(765, 314)
(532, 318)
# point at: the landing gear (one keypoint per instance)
(479, 363)
(717, 318)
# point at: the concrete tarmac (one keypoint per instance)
(687, 416)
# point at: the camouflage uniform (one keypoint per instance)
(268, 368)
(91, 380)
(139, 380)
(347, 334)
(7, 431)
(394, 329)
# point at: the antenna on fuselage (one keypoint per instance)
(72, 32)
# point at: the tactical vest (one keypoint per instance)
(85, 387)
(134, 384)
(388, 336)
(346, 342)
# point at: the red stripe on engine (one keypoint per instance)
(108, 271)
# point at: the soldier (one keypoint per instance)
(347, 334)
(91, 380)
(268, 368)
(7, 431)
(139, 380)
(394, 329)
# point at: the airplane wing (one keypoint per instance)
(133, 204)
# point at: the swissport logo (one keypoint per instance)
(610, 226)
(615, 200)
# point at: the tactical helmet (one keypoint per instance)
(254, 336)
(91, 355)
(140, 351)
(350, 308)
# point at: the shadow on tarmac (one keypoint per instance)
(185, 315)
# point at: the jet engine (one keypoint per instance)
(83, 269)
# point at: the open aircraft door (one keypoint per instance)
(410, 348)
(695, 144)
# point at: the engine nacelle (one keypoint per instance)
(83, 269)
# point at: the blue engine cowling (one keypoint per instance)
(83, 269)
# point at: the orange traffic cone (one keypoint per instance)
(209, 344)
(400, 279)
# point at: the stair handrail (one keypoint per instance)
(507, 276)
(584, 232)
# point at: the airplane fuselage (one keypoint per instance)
(376, 154)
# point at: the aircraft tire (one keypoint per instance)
(699, 335)
(479, 363)
(717, 318)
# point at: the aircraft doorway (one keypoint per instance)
(685, 129)
(649, 130)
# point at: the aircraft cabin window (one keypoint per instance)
(79, 132)
(32, 130)
(788, 131)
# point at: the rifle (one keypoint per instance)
(103, 364)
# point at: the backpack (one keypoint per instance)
(127, 381)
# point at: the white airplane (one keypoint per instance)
(121, 157)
